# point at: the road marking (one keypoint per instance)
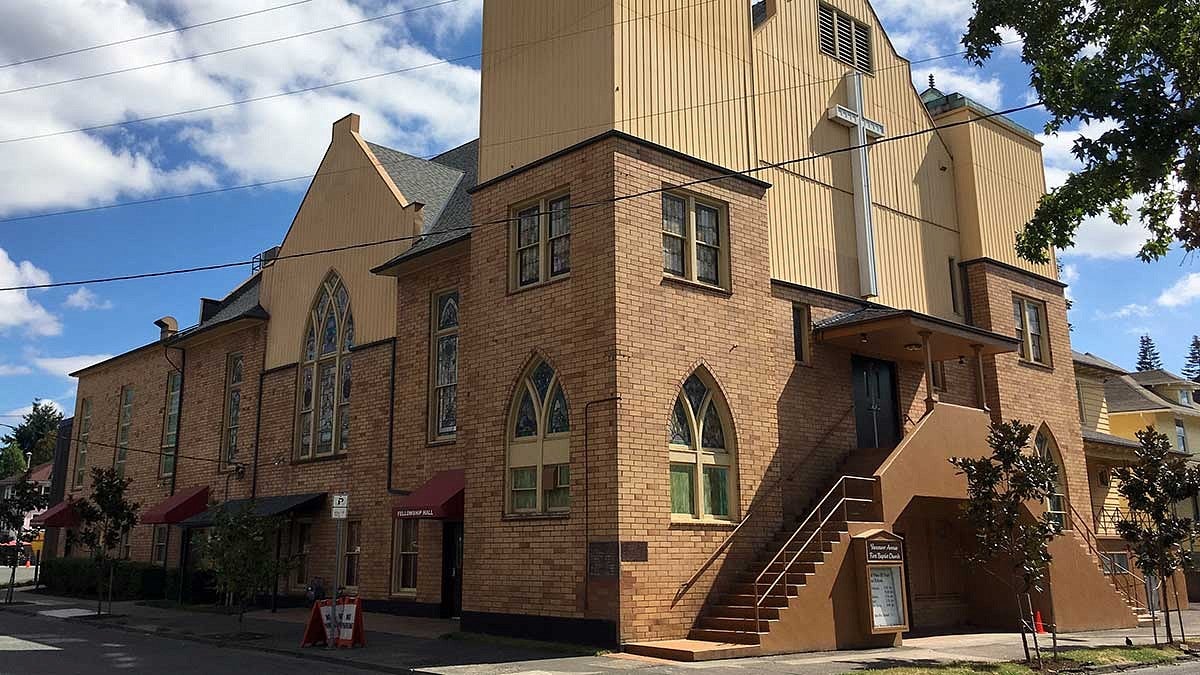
(12, 644)
(66, 613)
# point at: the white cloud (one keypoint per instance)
(17, 308)
(421, 111)
(85, 299)
(7, 369)
(1070, 273)
(65, 365)
(988, 90)
(1129, 311)
(1183, 292)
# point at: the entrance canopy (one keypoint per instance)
(263, 506)
(900, 334)
(178, 507)
(440, 498)
(62, 514)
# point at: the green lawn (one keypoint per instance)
(1073, 658)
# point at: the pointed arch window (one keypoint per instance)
(702, 453)
(539, 444)
(323, 417)
(1056, 502)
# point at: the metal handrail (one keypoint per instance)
(752, 512)
(818, 531)
(1093, 544)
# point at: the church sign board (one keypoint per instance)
(880, 560)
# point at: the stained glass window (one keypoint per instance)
(700, 454)
(539, 443)
(542, 241)
(693, 238)
(233, 408)
(325, 373)
(445, 365)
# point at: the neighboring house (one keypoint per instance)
(556, 368)
(42, 477)
(1159, 399)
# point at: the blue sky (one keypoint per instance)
(45, 334)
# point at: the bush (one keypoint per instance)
(77, 577)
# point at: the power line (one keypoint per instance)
(160, 452)
(151, 35)
(227, 50)
(572, 207)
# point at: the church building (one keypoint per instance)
(673, 357)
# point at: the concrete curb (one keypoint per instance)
(323, 656)
(1188, 657)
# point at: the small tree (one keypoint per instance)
(1152, 487)
(106, 517)
(12, 460)
(24, 498)
(239, 554)
(1148, 358)
(1000, 491)
(1191, 369)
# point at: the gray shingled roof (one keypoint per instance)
(1124, 394)
(242, 302)
(429, 182)
(453, 221)
(1160, 376)
(1093, 361)
(859, 316)
(1108, 439)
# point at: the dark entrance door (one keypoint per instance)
(452, 562)
(875, 412)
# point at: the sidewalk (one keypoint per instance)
(406, 645)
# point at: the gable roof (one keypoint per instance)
(1160, 376)
(1092, 361)
(452, 220)
(428, 182)
(241, 303)
(1124, 394)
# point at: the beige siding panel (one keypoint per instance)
(547, 79)
(1093, 404)
(912, 180)
(352, 204)
(701, 107)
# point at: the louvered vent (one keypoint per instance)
(825, 31)
(862, 47)
(845, 39)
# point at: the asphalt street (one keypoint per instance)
(34, 644)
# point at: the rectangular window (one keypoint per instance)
(353, 552)
(404, 555)
(524, 489)
(81, 445)
(445, 366)
(166, 465)
(955, 295)
(542, 242)
(716, 493)
(125, 547)
(939, 376)
(233, 409)
(557, 482)
(301, 544)
(801, 330)
(124, 424)
(1029, 318)
(683, 489)
(1185, 397)
(158, 547)
(1115, 562)
(694, 233)
(1181, 436)
(843, 38)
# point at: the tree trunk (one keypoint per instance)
(1021, 616)
(111, 567)
(99, 587)
(12, 582)
(1162, 585)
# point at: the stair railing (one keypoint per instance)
(822, 513)
(1126, 581)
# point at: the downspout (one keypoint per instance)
(392, 421)
(262, 373)
(587, 535)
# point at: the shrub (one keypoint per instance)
(77, 577)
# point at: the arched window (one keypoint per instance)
(539, 444)
(1056, 502)
(702, 452)
(323, 419)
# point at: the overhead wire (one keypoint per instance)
(160, 452)
(718, 176)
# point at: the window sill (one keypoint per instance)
(679, 521)
(699, 285)
(514, 288)
(315, 460)
(1034, 364)
(404, 594)
(448, 440)
(549, 515)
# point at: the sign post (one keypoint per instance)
(339, 511)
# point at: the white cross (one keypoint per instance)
(861, 128)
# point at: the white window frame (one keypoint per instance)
(81, 445)
(691, 245)
(1181, 438)
(352, 552)
(170, 439)
(546, 210)
(158, 544)
(1025, 333)
(405, 547)
(547, 454)
(124, 429)
(697, 457)
(235, 367)
(438, 433)
(300, 552)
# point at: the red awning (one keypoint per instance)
(178, 507)
(61, 514)
(440, 498)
